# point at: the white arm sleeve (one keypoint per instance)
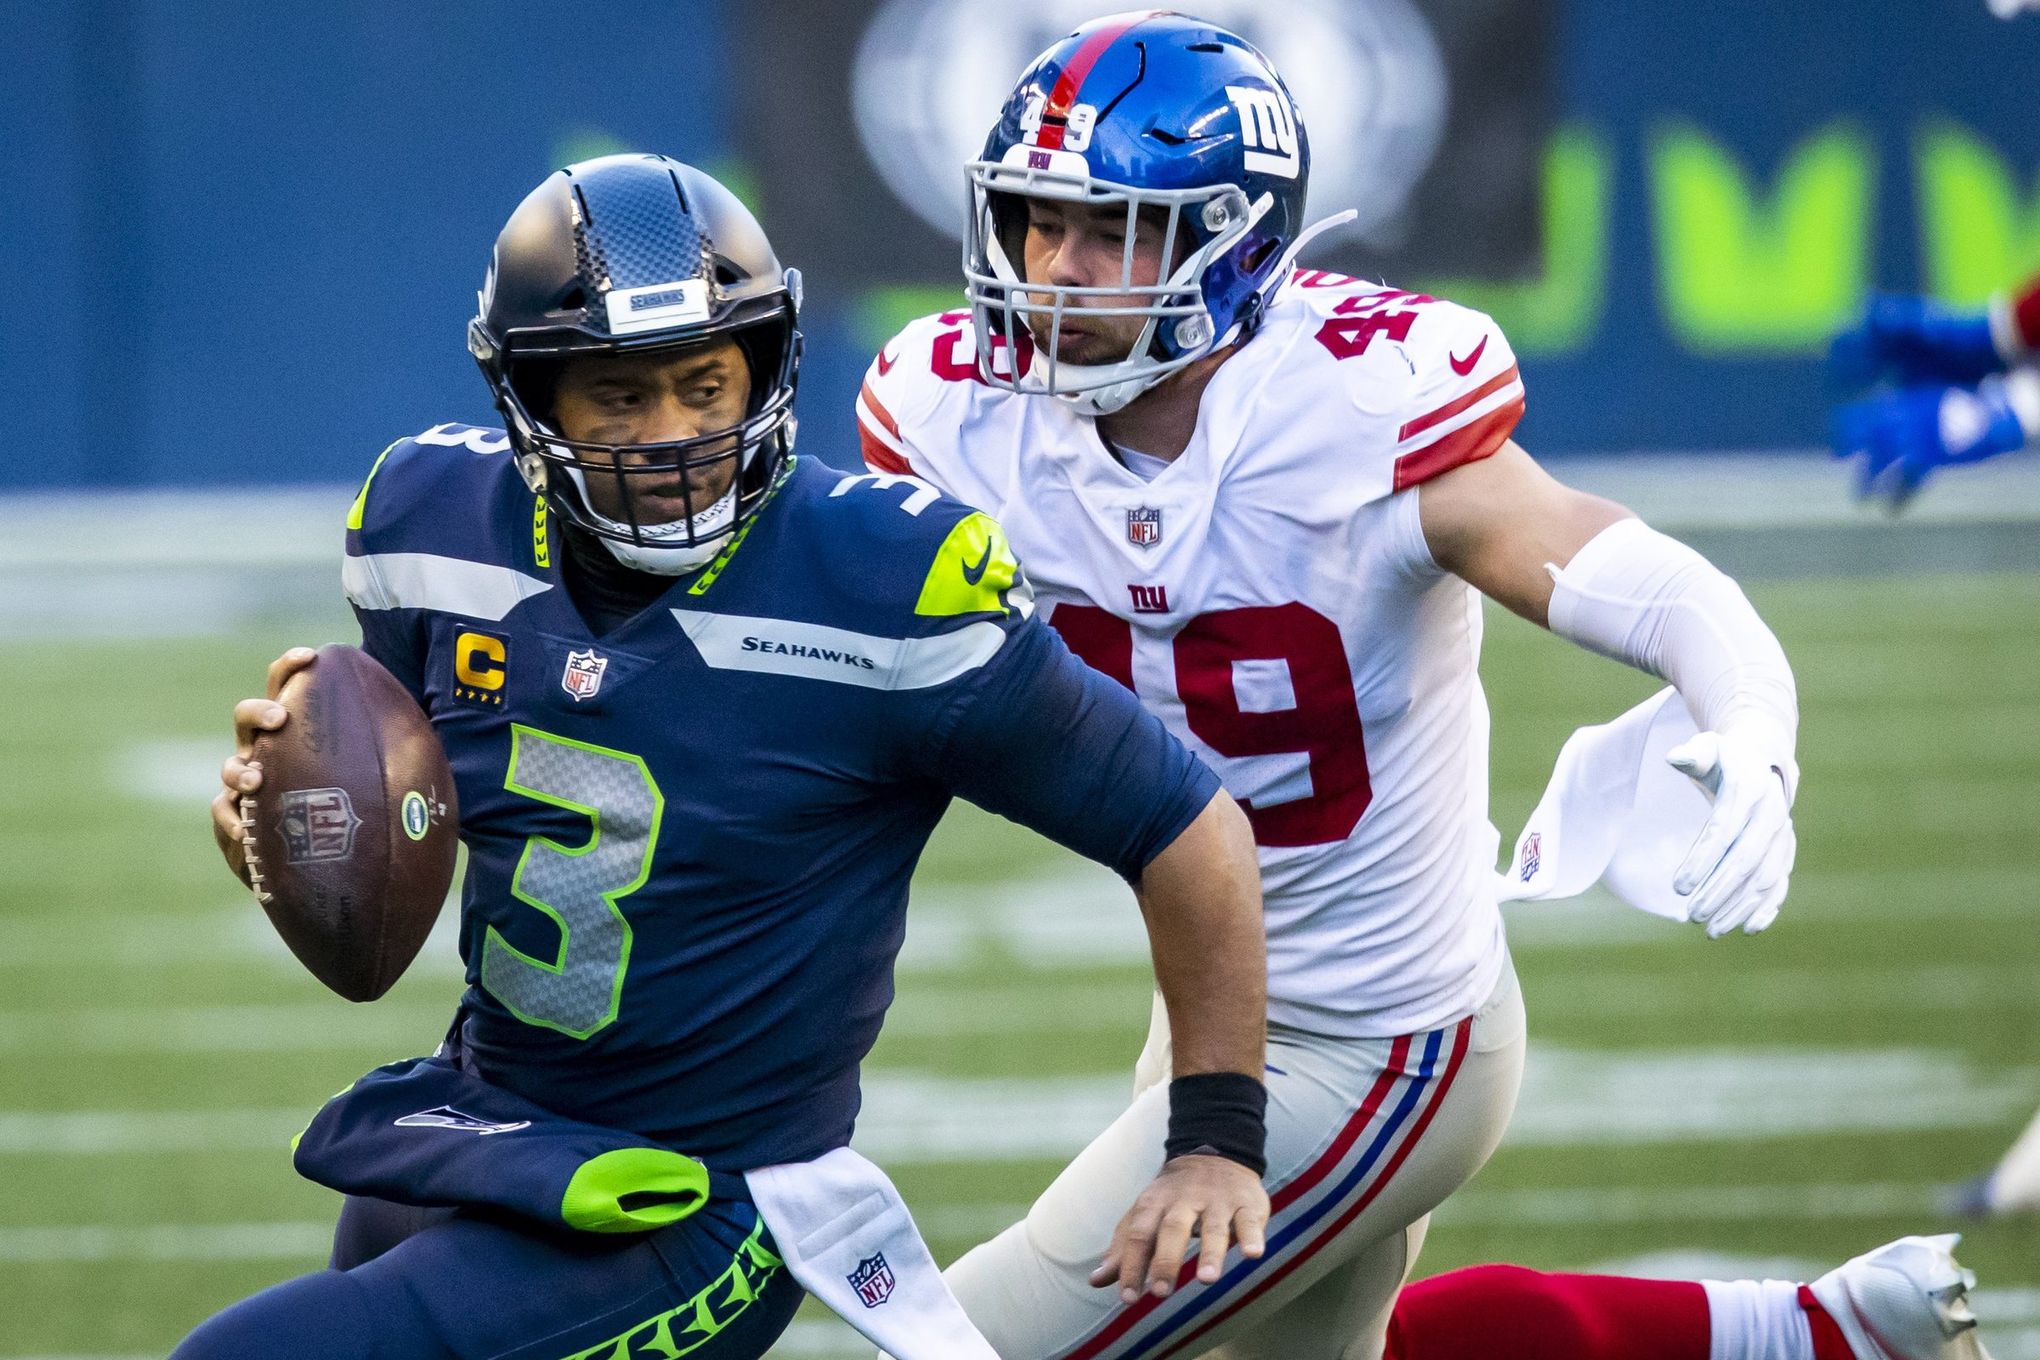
(1639, 597)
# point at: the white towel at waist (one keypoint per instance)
(846, 1235)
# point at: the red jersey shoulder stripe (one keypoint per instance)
(1458, 404)
(1468, 444)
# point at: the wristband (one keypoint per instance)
(1219, 1114)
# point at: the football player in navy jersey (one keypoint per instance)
(704, 702)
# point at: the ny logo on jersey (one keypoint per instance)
(1144, 526)
(1269, 130)
(583, 676)
(1149, 599)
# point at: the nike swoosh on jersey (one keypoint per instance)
(972, 575)
(885, 362)
(1465, 366)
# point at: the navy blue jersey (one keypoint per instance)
(689, 838)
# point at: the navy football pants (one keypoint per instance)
(474, 1287)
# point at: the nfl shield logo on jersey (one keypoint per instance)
(1144, 526)
(873, 1280)
(584, 674)
(1533, 855)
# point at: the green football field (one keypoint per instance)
(1769, 1104)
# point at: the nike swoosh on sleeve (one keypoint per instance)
(1460, 366)
(886, 360)
(972, 575)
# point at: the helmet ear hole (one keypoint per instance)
(575, 299)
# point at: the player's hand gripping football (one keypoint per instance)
(240, 774)
(1214, 1199)
(1741, 862)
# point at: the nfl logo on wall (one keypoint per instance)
(1144, 526)
(873, 1280)
(583, 674)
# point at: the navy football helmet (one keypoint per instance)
(1144, 110)
(636, 253)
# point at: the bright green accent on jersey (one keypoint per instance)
(1980, 235)
(359, 509)
(1738, 274)
(883, 313)
(595, 1197)
(578, 990)
(702, 1318)
(541, 539)
(722, 559)
(1558, 311)
(973, 570)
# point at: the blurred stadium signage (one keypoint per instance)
(1383, 85)
(1666, 207)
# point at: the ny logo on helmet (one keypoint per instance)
(1269, 129)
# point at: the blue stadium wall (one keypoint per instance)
(239, 242)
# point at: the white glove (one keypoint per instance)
(1740, 864)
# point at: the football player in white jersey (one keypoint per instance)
(1267, 501)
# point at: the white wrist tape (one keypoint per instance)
(1638, 597)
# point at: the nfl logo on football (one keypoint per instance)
(873, 1280)
(583, 674)
(1144, 526)
(318, 825)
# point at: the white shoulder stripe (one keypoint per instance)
(450, 585)
(740, 643)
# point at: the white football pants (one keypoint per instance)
(1365, 1138)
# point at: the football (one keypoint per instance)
(351, 836)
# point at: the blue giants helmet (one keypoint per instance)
(1145, 110)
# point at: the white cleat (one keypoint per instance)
(1907, 1300)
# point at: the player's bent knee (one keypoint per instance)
(314, 1317)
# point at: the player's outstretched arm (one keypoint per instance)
(1201, 897)
(1594, 574)
(240, 774)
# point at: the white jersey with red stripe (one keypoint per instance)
(1269, 594)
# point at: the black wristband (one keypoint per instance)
(1219, 1114)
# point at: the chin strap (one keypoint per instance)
(1304, 238)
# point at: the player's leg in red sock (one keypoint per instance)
(1487, 1311)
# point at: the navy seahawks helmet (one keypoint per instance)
(1145, 110)
(638, 253)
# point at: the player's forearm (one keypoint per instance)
(1640, 597)
(1202, 900)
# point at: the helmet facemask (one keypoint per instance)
(633, 477)
(1200, 227)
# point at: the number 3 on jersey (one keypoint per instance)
(578, 990)
(1323, 724)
